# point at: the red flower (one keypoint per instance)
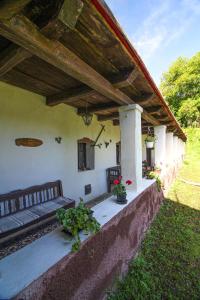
(120, 177)
(116, 182)
(128, 182)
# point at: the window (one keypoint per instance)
(118, 153)
(85, 154)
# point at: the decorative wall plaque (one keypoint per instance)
(28, 142)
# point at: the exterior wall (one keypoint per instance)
(24, 114)
(88, 273)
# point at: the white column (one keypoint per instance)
(131, 143)
(175, 149)
(160, 146)
(179, 150)
(169, 148)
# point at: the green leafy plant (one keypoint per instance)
(76, 219)
(150, 138)
(153, 175)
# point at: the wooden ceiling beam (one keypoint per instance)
(144, 99)
(77, 94)
(146, 117)
(154, 109)
(128, 80)
(150, 119)
(14, 55)
(23, 32)
(11, 57)
(113, 116)
(99, 108)
(72, 95)
(9, 8)
(167, 122)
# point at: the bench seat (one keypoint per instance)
(24, 210)
(22, 219)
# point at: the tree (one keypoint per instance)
(181, 89)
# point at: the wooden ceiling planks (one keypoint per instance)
(94, 45)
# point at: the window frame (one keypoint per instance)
(89, 156)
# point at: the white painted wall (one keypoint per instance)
(24, 114)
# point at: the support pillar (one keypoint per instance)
(160, 146)
(131, 143)
(169, 148)
(175, 149)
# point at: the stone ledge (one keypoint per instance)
(46, 270)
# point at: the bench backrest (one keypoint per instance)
(22, 199)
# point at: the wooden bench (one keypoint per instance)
(112, 174)
(23, 210)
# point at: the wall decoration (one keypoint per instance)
(107, 143)
(58, 139)
(100, 144)
(28, 142)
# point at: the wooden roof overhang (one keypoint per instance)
(74, 52)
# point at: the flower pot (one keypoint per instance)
(121, 199)
(149, 144)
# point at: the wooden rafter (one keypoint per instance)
(113, 116)
(66, 97)
(71, 95)
(144, 99)
(108, 117)
(99, 108)
(128, 80)
(11, 57)
(14, 55)
(154, 109)
(9, 8)
(23, 32)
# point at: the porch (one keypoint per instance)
(72, 88)
(55, 273)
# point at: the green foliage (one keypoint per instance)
(189, 113)
(150, 138)
(153, 175)
(181, 89)
(76, 219)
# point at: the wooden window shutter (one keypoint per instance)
(89, 156)
(81, 156)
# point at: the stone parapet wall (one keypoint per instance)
(88, 273)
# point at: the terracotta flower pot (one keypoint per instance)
(121, 199)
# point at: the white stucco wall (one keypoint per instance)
(24, 114)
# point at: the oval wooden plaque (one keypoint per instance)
(28, 142)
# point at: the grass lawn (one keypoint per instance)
(168, 264)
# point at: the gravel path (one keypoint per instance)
(27, 238)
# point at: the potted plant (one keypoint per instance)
(150, 140)
(120, 190)
(153, 175)
(76, 219)
(157, 169)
